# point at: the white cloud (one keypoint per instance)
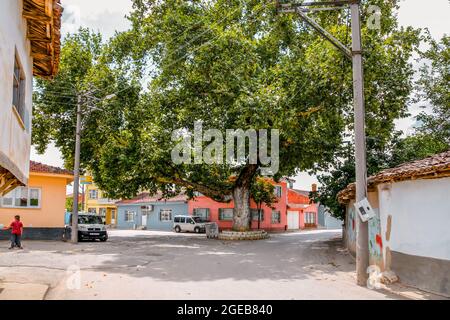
(104, 16)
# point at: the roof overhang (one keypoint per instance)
(69, 178)
(10, 175)
(44, 32)
(434, 167)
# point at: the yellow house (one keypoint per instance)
(40, 204)
(96, 202)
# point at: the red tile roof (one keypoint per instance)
(43, 168)
(146, 197)
(298, 197)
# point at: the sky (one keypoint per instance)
(108, 16)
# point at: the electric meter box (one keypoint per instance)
(364, 210)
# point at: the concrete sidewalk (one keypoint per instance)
(22, 291)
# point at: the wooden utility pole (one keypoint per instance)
(362, 246)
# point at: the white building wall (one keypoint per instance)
(14, 140)
(420, 213)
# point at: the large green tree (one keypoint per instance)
(239, 65)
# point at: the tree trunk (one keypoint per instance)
(241, 214)
(241, 198)
(259, 215)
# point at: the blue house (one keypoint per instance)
(150, 212)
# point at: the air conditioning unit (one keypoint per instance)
(147, 208)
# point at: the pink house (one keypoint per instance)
(301, 213)
(222, 213)
(292, 211)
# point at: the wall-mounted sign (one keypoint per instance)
(86, 180)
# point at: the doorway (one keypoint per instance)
(293, 220)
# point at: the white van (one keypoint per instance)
(90, 227)
(188, 223)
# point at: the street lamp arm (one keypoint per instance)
(335, 42)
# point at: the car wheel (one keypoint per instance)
(197, 230)
(177, 229)
(103, 239)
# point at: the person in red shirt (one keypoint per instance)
(16, 234)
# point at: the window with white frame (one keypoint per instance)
(254, 213)
(226, 214)
(310, 218)
(165, 215)
(276, 217)
(129, 215)
(202, 213)
(19, 89)
(92, 210)
(278, 191)
(22, 197)
(93, 194)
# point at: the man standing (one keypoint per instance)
(16, 233)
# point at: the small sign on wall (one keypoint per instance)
(364, 210)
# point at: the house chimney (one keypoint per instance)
(314, 187)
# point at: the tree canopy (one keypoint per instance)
(86, 76)
(233, 65)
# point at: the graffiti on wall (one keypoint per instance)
(351, 224)
(375, 239)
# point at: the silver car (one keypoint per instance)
(189, 224)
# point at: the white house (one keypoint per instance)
(29, 46)
(410, 234)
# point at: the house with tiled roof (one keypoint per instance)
(292, 211)
(40, 204)
(147, 211)
(301, 212)
(409, 236)
(30, 32)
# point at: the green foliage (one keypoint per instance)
(231, 64)
(237, 64)
(390, 149)
(434, 84)
(83, 67)
(263, 192)
(69, 204)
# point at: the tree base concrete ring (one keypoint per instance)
(246, 235)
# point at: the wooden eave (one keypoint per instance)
(349, 193)
(44, 32)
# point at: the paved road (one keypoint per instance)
(160, 265)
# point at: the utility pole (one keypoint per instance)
(76, 173)
(362, 246)
(76, 169)
(362, 234)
